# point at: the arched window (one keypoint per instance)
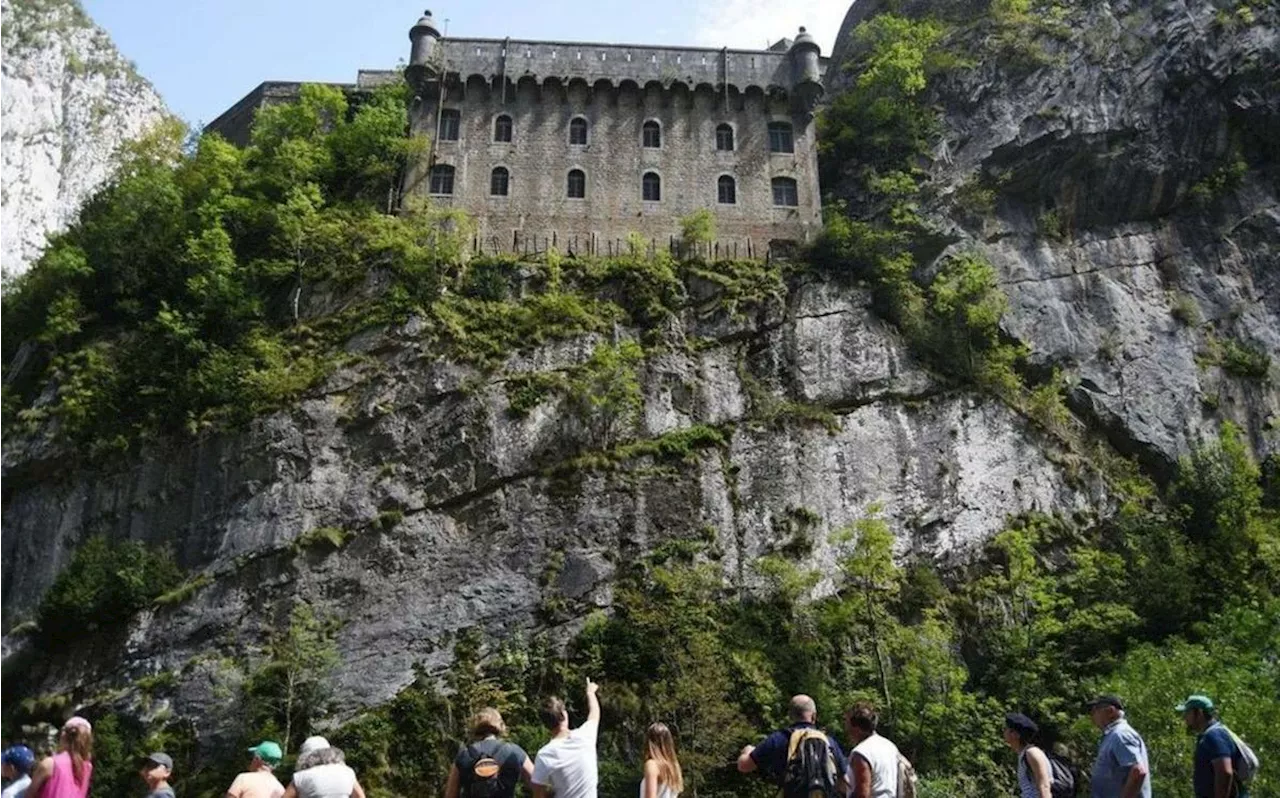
(502, 128)
(726, 190)
(780, 139)
(577, 130)
(652, 134)
(577, 188)
(651, 187)
(785, 193)
(441, 179)
(450, 121)
(499, 182)
(724, 138)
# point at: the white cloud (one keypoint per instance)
(755, 24)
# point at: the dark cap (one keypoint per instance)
(1106, 700)
(1021, 723)
(159, 758)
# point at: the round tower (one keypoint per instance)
(423, 37)
(806, 72)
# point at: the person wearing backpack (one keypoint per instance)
(489, 767)
(1035, 778)
(1223, 763)
(874, 760)
(801, 759)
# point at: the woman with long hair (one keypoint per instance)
(322, 772)
(66, 774)
(662, 775)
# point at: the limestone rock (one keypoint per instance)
(69, 101)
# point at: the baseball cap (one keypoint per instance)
(159, 758)
(268, 752)
(1019, 722)
(1106, 700)
(1195, 702)
(77, 722)
(20, 757)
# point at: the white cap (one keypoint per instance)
(312, 744)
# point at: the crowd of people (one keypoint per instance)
(801, 760)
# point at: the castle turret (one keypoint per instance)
(423, 37)
(805, 70)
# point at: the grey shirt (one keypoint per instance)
(1119, 750)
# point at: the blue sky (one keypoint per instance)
(203, 55)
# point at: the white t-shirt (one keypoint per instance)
(17, 788)
(663, 791)
(325, 781)
(882, 756)
(568, 764)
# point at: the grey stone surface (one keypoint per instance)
(483, 519)
(1136, 105)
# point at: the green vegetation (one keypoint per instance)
(1235, 357)
(102, 587)
(323, 538)
(184, 591)
(1185, 309)
(285, 692)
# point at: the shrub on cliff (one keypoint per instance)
(104, 585)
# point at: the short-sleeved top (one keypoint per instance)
(1213, 743)
(334, 780)
(568, 764)
(162, 792)
(256, 784)
(1119, 750)
(17, 788)
(771, 755)
(509, 756)
(62, 781)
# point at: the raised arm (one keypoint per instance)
(593, 702)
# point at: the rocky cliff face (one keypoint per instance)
(1133, 212)
(70, 100)
(1131, 260)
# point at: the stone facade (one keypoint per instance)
(507, 106)
(589, 194)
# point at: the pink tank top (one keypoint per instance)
(62, 782)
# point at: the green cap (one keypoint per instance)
(268, 752)
(1196, 702)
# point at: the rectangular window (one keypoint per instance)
(450, 121)
(441, 179)
(780, 139)
(785, 193)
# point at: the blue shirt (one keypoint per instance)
(771, 755)
(1119, 750)
(1213, 743)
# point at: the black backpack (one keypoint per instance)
(1062, 777)
(480, 770)
(811, 767)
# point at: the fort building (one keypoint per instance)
(583, 143)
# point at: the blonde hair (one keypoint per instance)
(77, 741)
(660, 746)
(486, 722)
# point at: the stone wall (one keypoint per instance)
(539, 158)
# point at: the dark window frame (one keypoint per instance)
(576, 124)
(654, 127)
(782, 137)
(724, 135)
(442, 181)
(580, 177)
(790, 192)
(500, 173)
(450, 124)
(503, 133)
(723, 182)
(651, 180)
